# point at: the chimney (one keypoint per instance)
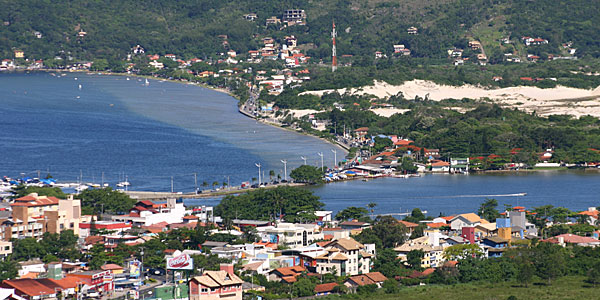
(227, 268)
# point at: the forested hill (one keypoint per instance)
(192, 28)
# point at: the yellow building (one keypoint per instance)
(19, 54)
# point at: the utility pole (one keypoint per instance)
(259, 180)
(102, 179)
(334, 158)
(284, 161)
(171, 184)
(195, 182)
(304, 159)
(321, 155)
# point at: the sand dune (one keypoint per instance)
(558, 100)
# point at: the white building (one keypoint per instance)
(146, 213)
(291, 235)
(344, 257)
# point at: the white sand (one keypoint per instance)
(388, 112)
(558, 100)
(299, 113)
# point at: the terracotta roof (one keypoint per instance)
(347, 244)
(68, 282)
(31, 201)
(290, 271)
(30, 287)
(353, 223)
(252, 266)
(93, 239)
(361, 280)
(325, 287)
(589, 213)
(30, 275)
(289, 279)
(111, 267)
(190, 217)
(471, 217)
(572, 239)
(376, 276)
(408, 224)
(218, 278)
(436, 225)
(440, 164)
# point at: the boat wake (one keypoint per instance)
(479, 196)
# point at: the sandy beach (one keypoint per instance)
(558, 100)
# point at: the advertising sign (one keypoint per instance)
(181, 262)
(135, 267)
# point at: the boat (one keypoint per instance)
(146, 83)
(123, 184)
(365, 179)
(80, 87)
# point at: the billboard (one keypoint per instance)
(135, 267)
(181, 262)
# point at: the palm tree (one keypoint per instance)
(253, 179)
(204, 183)
(371, 207)
(271, 174)
(215, 183)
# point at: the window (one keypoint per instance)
(204, 290)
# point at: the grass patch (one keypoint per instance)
(569, 287)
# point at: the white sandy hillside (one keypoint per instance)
(558, 100)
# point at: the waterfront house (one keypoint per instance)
(439, 166)
(146, 213)
(290, 235)
(214, 285)
(459, 165)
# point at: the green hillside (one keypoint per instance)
(192, 28)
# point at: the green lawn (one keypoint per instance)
(564, 288)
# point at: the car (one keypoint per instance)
(254, 186)
(156, 271)
(284, 181)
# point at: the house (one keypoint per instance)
(398, 48)
(590, 216)
(365, 279)
(439, 166)
(455, 52)
(412, 30)
(409, 225)
(286, 274)
(146, 213)
(35, 266)
(113, 268)
(216, 285)
(100, 281)
(29, 289)
(272, 20)
(19, 54)
(572, 239)
(354, 224)
(138, 50)
(172, 57)
(466, 220)
(429, 244)
(325, 288)
(290, 235)
(344, 257)
(294, 15)
(431, 153)
(250, 17)
(85, 229)
(459, 165)
(156, 64)
(494, 245)
(361, 133)
(475, 45)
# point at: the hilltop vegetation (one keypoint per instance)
(192, 28)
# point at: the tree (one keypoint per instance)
(304, 287)
(352, 213)
(593, 275)
(9, 269)
(307, 174)
(414, 259)
(291, 203)
(462, 251)
(488, 210)
(271, 174)
(372, 206)
(105, 200)
(23, 190)
(386, 233)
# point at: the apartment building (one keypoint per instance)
(33, 215)
(291, 235)
(344, 257)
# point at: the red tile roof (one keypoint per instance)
(408, 224)
(111, 267)
(29, 287)
(437, 225)
(572, 239)
(325, 287)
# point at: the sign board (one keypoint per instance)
(181, 262)
(135, 268)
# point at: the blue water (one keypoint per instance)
(150, 133)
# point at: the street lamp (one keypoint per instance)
(259, 178)
(284, 161)
(304, 159)
(321, 155)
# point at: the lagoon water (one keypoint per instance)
(151, 133)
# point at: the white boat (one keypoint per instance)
(147, 83)
(123, 184)
(80, 87)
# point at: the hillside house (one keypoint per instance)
(412, 30)
(344, 256)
